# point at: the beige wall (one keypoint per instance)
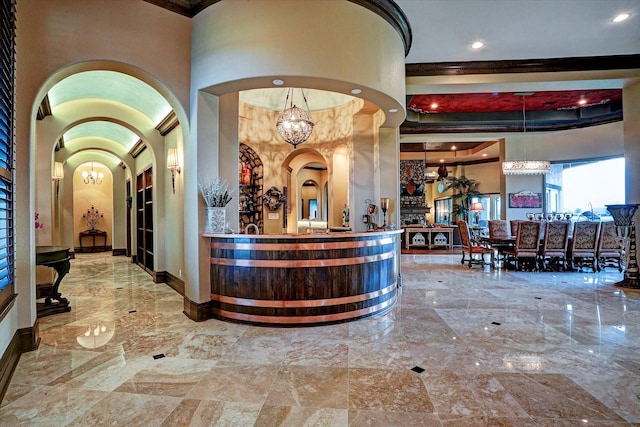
(98, 196)
(48, 49)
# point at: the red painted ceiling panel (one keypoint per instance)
(509, 101)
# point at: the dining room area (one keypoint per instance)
(554, 243)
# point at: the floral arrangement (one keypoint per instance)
(216, 192)
(39, 225)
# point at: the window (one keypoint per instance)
(584, 187)
(7, 148)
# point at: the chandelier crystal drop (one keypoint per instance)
(295, 124)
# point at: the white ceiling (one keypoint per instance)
(443, 30)
(113, 86)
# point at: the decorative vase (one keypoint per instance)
(216, 219)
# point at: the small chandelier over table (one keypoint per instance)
(92, 177)
(525, 167)
(295, 124)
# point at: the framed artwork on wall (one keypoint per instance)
(525, 199)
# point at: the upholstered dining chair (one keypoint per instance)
(610, 247)
(513, 226)
(476, 252)
(584, 245)
(498, 229)
(555, 245)
(526, 246)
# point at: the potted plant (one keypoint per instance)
(464, 190)
(216, 194)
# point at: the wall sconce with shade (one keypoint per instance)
(92, 177)
(476, 208)
(295, 124)
(173, 166)
(58, 174)
(525, 167)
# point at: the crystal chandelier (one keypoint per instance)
(525, 167)
(92, 177)
(295, 124)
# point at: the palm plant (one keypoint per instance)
(464, 190)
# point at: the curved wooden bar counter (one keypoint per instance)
(303, 278)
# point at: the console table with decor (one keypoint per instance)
(428, 237)
(92, 234)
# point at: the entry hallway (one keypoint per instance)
(497, 348)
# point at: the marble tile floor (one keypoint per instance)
(497, 348)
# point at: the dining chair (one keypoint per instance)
(513, 226)
(472, 249)
(526, 246)
(555, 245)
(610, 247)
(584, 245)
(498, 229)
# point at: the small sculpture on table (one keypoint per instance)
(368, 219)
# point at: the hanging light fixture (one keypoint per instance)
(525, 167)
(295, 124)
(92, 177)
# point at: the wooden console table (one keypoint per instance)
(56, 257)
(93, 234)
(428, 233)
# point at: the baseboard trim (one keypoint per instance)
(25, 339)
(30, 337)
(159, 276)
(119, 252)
(198, 312)
(175, 283)
(92, 249)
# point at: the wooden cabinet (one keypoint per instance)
(428, 237)
(144, 219)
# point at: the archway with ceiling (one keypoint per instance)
(116, 116)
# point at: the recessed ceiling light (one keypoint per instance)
(393, 110)
(441, 160)
(477, 45)
(434, 105)
(356, 91)
(621, 17)
(582, 101)
(453, 147)
(484, 155)
(277, 82)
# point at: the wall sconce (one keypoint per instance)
(58, 174)
(173, 166)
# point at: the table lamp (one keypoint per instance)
(477, 207)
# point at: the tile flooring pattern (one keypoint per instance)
(497, 348)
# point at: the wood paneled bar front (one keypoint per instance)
(302, 279)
